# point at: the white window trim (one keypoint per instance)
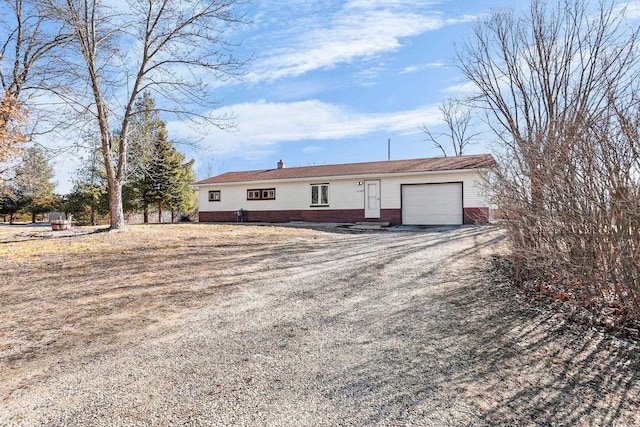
(319, 186)
(260, 192)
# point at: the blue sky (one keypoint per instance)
(332, 81)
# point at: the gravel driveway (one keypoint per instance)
(386, 328)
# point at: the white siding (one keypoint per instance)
(472, 184)
(344, 192)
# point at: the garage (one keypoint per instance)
(432, 204)
(411, 191)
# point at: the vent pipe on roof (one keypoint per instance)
(280, 164)
(389, 149)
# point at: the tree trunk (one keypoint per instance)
(173, 215)
(115, 206)
(145, 214)
(33, 217)
(159, 212)
(93, 215)
(11, 218)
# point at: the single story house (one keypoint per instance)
(434, 191)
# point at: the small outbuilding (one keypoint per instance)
(433, 191)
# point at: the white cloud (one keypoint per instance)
(417, 68)
(359, 30)
(265, 124)
(465, 19)
(369, 76)
(461, 89)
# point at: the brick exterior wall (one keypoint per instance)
(226, 216)
(476, 215)
(392, 216)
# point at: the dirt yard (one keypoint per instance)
(243, 325)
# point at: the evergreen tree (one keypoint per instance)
(33, 182)
(145, 126)
(170, 177)
(139, 192)
(184, 199)
(158, 173)
(12, 200)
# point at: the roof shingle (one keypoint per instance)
(480, 161)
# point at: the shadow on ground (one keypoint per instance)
(478, 352)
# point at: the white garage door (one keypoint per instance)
(432, 204)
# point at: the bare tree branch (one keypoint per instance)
(459, 134)
(175, 49)
(559, 87)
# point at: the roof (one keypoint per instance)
(480, 161)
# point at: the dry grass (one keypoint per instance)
(90, 289)
(218, 317)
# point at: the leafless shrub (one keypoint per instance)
(558, 86)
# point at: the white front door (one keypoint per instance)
(372, 199)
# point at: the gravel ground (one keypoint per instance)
(385, 328)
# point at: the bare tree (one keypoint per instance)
(459, 134)
(558, 85)
(542, 76)
(29, 40)
(170, 48)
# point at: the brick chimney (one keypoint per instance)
(280, 164)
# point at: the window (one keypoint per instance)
(214, 196)
(319, 194)
(261, 194)
(268, 194)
